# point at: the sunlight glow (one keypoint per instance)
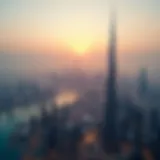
(66, 98)
(79, 45)
(90, 137)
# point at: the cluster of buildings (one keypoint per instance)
(134, 136)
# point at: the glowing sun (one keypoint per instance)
(80, 45)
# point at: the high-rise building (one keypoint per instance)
(143, 83)
(110, 141)
(138, 127)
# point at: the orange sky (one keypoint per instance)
(78, 31)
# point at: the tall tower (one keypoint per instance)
(143, 83)
(110, 141)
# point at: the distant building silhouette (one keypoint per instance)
(154, 122)
(138, 123)
(155, 131)
(44, 117)
(143, 83)
(110, 143)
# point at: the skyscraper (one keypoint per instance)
(110, 141)
(143, 83)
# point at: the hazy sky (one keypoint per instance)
(56, 34)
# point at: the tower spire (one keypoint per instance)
(110, 122)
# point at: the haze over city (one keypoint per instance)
(79, 80)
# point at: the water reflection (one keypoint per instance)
(24, 113)
(66, 98)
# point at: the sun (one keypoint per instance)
(80, 46)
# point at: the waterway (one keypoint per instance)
(8, 122)
(22, 114)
